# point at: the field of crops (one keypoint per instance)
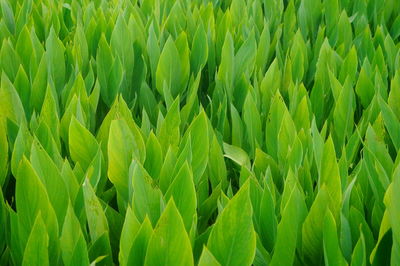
(220, 132)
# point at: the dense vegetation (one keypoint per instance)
(221, 132)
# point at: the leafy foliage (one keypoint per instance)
(235, 132)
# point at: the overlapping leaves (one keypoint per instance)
(238, 132)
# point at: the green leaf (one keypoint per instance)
(8, 15)
(96, 217)
(148, 101)
(312, 231)
(23, 87)
(226, 68)
(391, 122)
(263, 48)
(343, 114)
(147, 197)
(332, 253)
(82, 144)
(109, 71)
(345, 237)
(183, 48)
(394, 94)
(56, 61)
(375, 149)
(237, 127)
(183, 192)
(81, 49)
(274, 13)
(162, 248)
(74, 108)
(154, 156)
(394, 211)
(384, 232)
(252, 120)
(100, 251)
(349, 66)
(121, 44)
(330, 176)
(120, 110)
(51, 177)
(207, 259)
(267, 220)
(9, 60)
(3, 220)
(72, 241)
(115, 79)
(22, 146)
(197, 134)
(286, 136)
(32, 199)
(237, 155)
(16, 250)
(216, 163)
(168, 131)
(344, 29)
(140, 243)
(331, 14)
(4, 160)
(288, 229)
(232, 239)
(10, 103)
(274, 121)
(358, 224)
(167, 170)
(169, 69)
(153, 50)
(245, 58)
(49, 115)
(364, 88)
(298, 54)
(199, 51)
(36, 250)
(122, 149)
(359, 253)
(129, 231)
(95, 171)
(39, 84)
